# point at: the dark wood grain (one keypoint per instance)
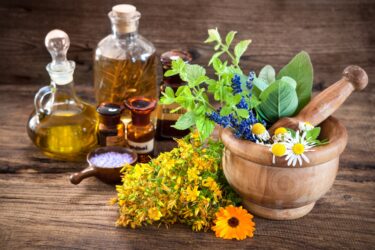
(40, 209)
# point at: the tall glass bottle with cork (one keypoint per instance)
(125, 62)
(62, 125)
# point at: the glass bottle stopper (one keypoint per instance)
(125, 17)
(60, 69)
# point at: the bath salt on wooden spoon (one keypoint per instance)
(354, 78)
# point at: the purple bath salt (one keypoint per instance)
(111, 159)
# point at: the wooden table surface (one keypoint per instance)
(39, 208)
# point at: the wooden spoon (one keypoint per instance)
(328, 101)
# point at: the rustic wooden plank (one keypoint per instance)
(46, 211)
(335, 33)
(40, 209)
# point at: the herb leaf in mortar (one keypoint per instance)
(301, 70)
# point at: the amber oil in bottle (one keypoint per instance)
(141, 131)
(111, 130)
(125, 61)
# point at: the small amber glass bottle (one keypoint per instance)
(141, 131)
(111, 130)
(165, 118)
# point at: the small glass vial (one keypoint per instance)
(165, 118)
(141, 131)
(111, 130)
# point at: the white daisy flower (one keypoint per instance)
(281, 134)
(305, 126)
(296, 147)
(278, 149)
(260, 131)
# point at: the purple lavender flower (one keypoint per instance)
(236, 84)
(242, 104)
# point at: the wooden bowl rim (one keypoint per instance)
(337, 142)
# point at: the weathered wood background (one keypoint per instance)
(39, 208)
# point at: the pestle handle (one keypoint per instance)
(329, 100)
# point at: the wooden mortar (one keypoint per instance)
(281, 192)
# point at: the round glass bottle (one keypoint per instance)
(125, 62)
(62, 125)
(141, 131)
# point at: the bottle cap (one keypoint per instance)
(109, 113)
(141, 108)
(60, 69)
(167, 57)
(125, 17)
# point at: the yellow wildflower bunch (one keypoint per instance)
(183, 185)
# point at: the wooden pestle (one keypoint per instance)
(328, 101)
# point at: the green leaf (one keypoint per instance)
(166, 100)
(185, 121)
(243, 113)
(213, 35)
(267, 73)
(226, 110)
(170, 72)
(229, 37)
(240, 48)
(217, 64)
(301, 70)
(205, 127)
(313, 134)
(194, 74)
(169, 92)
(278, 100)
(290, 81)
(214, 56)
(260, 84)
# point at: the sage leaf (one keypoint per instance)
(267, 73)
(301, 70)
(278, 100)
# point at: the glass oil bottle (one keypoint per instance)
(141, 131)
(125, 62)
(62, 125)
(167, 115)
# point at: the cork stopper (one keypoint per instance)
(125, 17)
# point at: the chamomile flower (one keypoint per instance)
(260, 131)
(278, 149)
(280, 134)
(305, 126)
(296, 148)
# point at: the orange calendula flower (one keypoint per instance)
(233, 223)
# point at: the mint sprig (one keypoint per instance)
(193, 97)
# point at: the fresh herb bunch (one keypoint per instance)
(244, 100)
(231, 88)
(186, 185)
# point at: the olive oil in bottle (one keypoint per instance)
(62, 126)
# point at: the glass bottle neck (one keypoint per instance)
(125, 31)
(64, 91)
(140, 120)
